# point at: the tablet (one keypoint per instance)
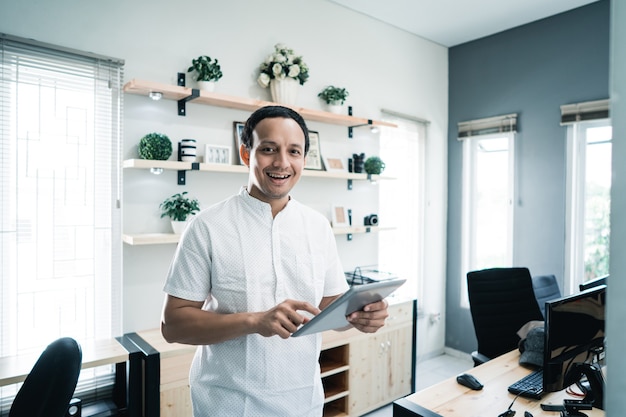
(357, 297)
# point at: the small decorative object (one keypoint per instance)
(340, 217)
(282, 71)
(214, 154)
(178, 208)
(155, 146)
(358, 160)
(334, 97)
(188, 150)
(314, 156)
(374, 165)
(208, 71)
(371, 220)
(334, 164)
(238, 129)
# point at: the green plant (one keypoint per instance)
(333, 95)
(283, 63)
(207, 69)
(178, 207)
(155, 146)
(374, 165)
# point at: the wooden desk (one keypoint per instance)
(449, 399)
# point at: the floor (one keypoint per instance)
(430, 372)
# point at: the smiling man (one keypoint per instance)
(244, 273)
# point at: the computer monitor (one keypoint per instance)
(574, 336)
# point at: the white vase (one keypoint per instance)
(284, 91)
(178, 227)
(206, 85)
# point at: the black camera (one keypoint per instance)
(371, 220)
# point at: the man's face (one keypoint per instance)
(276, 160)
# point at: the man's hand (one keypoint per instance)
(371, 318)
(284, 319)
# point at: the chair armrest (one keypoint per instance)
(479, 358)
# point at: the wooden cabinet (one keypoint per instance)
(360, 372)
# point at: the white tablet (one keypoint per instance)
(357, 297)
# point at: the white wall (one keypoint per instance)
(381, 66)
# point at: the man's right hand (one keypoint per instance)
(284, 319)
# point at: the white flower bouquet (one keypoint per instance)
(283, 63)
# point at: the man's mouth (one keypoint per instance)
(278, 176)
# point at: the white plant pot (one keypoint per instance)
(336, 108)
(284, 91)
(206, 85)
(178, 227)
(188, 150)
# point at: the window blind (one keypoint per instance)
(589, 110)
(60, 220)
(488, 125)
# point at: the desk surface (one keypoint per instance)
(450, 399)
(14, 369)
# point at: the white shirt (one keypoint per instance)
(237, 258)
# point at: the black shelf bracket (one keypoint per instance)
(349, 236)
(350, 133)
(349, 184)
(182, 103)
(182, 174)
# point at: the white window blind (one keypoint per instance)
(60, 239)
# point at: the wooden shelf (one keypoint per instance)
(165, 238)
(174, 92)
(241, 169)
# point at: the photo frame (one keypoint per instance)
(333, 163)
(237, 131)
(215, 154)
(314, 156)
(340, 217)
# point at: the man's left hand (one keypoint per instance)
(371, 318)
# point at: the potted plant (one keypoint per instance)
(334, 97)
(155, 146)
(208, 71)
(374, 165)
(283, 71)
(178, 208)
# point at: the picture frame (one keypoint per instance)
(333, 163)
(215, 154)
(314, 156)
(237, 131)
(340, 217)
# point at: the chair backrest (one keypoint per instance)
(546, 289)
(501, 300)
(50, 385)
(593, 283)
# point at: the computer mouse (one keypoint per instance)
(469, 381)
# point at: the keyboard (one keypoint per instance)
(531, 386)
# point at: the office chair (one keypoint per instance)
(49, 386)
(501, 300)
(594, 283)
(546, 289)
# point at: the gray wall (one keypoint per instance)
(530, 70)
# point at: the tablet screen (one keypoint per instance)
(357, 297)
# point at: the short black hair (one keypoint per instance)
(269, 112)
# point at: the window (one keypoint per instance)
(60, 183)
(488, 194)
(589, 201)
(402, 201)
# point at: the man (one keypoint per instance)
(246, 272)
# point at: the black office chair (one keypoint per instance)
(546, 289)
(594, 283)
(502, 300)
(50, 385)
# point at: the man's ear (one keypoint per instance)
(245, 155)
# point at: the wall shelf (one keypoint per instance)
(224, 168)
(177, 93)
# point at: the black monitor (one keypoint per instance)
(574, 337)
